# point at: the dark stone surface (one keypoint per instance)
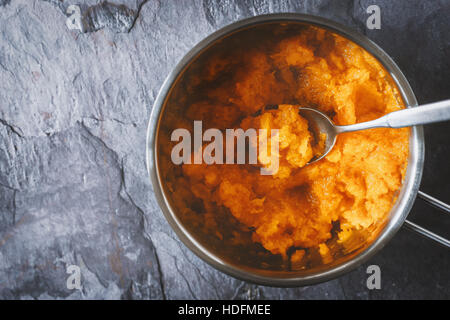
(73, 114)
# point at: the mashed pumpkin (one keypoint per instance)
(300, 208)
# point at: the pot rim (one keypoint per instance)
(398, 213)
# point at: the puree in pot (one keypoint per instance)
(300, 209)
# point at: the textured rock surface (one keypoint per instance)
(73, 113)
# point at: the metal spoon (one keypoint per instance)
(428, 113)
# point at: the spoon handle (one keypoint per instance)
(427, 113)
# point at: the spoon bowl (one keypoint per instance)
(319, 123)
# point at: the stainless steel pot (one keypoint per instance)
(398, 214)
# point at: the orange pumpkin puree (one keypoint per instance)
(354, 186)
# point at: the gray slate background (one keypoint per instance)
(73, 114)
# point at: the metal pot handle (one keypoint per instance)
(425, 232)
